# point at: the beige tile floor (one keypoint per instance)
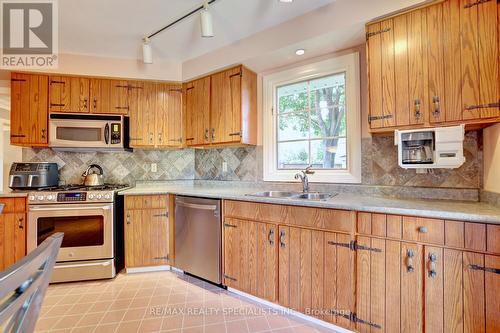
(159, 302)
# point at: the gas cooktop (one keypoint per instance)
(74, 193)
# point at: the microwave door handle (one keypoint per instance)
(106, 133)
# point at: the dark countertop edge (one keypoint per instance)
(418, 212)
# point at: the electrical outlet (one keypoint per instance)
(154, 167)
(224, 166)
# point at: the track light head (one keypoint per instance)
(207, 24)
(147, 52)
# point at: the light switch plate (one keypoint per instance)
(154, 167)
(224, 166)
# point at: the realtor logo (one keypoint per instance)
(29, 34)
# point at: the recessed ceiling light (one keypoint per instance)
(286, 1)
(300, 52)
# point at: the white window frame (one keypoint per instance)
(349, 64)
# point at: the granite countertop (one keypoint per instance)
(441, 209)
(11, 194)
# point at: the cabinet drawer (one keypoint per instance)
(423, 230)
(321, 218)
(254, 211)
(13, 205)
(146, 201)
(493, 238)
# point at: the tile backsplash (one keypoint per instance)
(122, 167)
(379, 167)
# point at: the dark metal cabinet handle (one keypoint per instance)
(57, 104)
(409, 262)
(282, 238)
(432, 268)
(17, 136)
(43, 133)
(85, 103)
(128, 218)
(235, 134)
(486, 269)
(206, 134)
(20, 223)
(95, 103)
(227, 225)
(161, 215)
(437, 107)
(213, 133)
(271, 236)
(418, 113)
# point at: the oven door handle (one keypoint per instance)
(105, 263)
(45, 209)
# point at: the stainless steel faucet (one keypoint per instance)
(304, 179)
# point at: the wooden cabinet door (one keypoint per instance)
(146, 237)
(142, 102)
(316, 274)
(60, 94)
(389, 286)
(250, 257)
(479, 59)
(79, 95)
(380, 41)
(100, 96)
(12, 238)
(197, 106)
(225, 109)
(169, 119)
(29, 109)
(119, 100)
(39, 115)
(20, 109)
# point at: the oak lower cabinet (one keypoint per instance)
(29, 110)
(147, 231)
(407, 287)
(316, 274)
(251, 257)
(12, 231)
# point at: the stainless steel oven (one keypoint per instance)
(88, 131)
(87, 250)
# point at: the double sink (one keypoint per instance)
(293, 195)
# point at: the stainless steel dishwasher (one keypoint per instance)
(198, 240)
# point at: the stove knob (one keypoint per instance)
(91, 196)
(50, 197)
(99, 197)
(31, 198)
(40, 197)
(107, 196)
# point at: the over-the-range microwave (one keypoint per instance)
(88, 131)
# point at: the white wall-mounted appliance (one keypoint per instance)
(431, 148)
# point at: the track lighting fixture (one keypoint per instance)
(207, 24)
(147, 52)
(207, 29)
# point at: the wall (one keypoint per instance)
(120, 168)
(164, 70)
(492, 158)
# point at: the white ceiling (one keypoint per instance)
(114, 28)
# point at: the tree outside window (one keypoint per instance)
(311, 124)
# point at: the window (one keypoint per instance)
(312, 117)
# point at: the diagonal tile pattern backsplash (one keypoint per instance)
(379, 156)
(122, 167)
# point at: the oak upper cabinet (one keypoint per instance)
(233, 108)
(147, 231)
(169, 115)
(60, 94)
(316, 274)
(119, 96)
(12, 231)
(480, 63)
(29, 110)
(100, 96)
(435, 66)
(197, 109)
